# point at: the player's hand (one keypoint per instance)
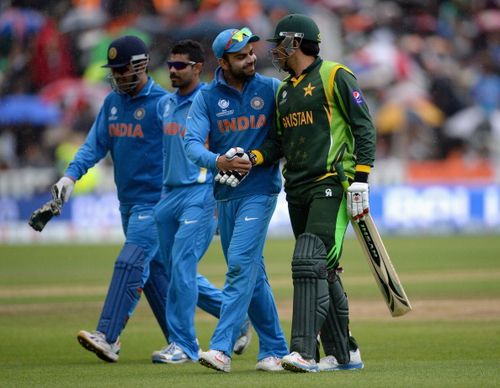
(235, 178)
(222, 176)
(230, 178)
(63, 188)
(233, 167)
(357, 200)
(235, 159)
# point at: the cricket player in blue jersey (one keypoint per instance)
(237, 108)
(129, 126)
(185, 216)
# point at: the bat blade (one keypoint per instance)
(381, 266)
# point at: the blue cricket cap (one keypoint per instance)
(123, 50)
(232, 40)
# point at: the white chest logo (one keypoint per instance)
(283, 97)
(167, 110)
(112, 113)
(328, 192)
(223, 104)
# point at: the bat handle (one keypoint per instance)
(340, 172)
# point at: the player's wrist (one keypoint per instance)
(361, 177)
(362, 172)
(256, 157)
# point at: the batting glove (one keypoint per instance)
(235, 152)
(222, 176)
(232, 177)
(63, 188)
(235, 178)
(357, 200)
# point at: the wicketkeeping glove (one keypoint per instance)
(357, 200)
(42, 216)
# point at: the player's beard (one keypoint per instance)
(243, 73)
(178, 82)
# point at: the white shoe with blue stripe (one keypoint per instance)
(329, 363)
(170, 354)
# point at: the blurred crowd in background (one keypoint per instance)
(429, 69)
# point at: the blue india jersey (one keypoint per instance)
(178, 169)
(230, 118)
(131, 130)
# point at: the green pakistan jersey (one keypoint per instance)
(322, 119)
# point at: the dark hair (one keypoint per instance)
(190, 47)
(309, 47)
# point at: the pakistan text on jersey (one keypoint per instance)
(174, 129)
(297, 118)
(241, 123)
(125, 130)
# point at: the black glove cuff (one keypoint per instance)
(360, 176)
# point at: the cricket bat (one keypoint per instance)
(379, 261)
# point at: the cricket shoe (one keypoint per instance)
(269, 364)
(294, 362)
(243, 341)
(170, 354)
(96, 342)
(215, 359)
(329, 363)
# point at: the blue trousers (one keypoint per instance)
(243, 224)
(186, 224)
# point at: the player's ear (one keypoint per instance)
(224, 63)
(198, 67)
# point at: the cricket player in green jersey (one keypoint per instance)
(322, 121)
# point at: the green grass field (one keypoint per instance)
(452, 338)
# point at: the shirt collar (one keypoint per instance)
(308, 69)
(191, 95)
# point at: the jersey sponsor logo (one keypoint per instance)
(283, 97)
(297, 118)
(167, 110)
(125, 130)
(241, 123)
(173, 129)
(328, 192)
(358, 99)
(113, 112)
(223, 104)
(139, 113)
(257, 103)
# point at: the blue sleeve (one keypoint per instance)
(197, 131)
(94, 149)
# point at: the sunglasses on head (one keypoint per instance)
(238, 36)
(179, 65)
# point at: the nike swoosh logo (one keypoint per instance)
(251, 218)
(187, 222)
(141, 217)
